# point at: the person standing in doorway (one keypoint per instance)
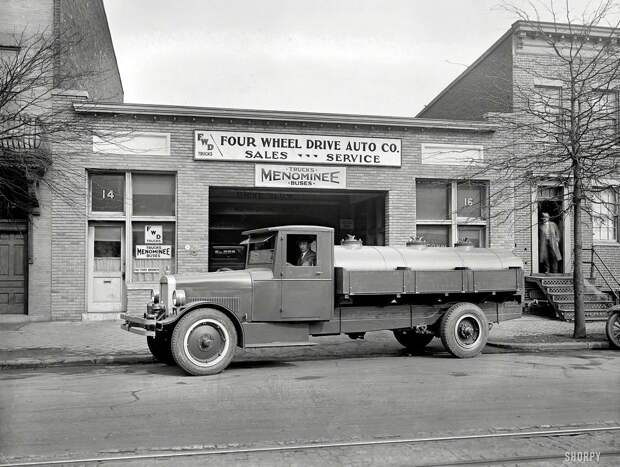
(548, 244)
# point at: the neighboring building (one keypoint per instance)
(519, 63)
(89, 65)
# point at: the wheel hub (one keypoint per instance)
(468, 331)
(205, 343)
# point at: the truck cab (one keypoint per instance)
(297, 284)
(291, 289)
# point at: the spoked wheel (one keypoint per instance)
(613, 329)
(412, 340)
(464, 330)
(204, 341)
(160, 347)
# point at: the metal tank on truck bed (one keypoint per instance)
(297, 284)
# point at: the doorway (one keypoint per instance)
(13, 270)
(231, 211)
(106, 267)
(549, 202)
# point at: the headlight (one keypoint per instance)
(178, 298)
(154, 296)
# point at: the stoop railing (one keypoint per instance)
(615, 288)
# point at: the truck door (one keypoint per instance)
(307, 276)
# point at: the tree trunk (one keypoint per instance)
(579, 331)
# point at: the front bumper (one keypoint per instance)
(137, 325)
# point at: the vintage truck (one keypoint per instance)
(418, 292)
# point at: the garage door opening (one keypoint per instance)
(231, 211)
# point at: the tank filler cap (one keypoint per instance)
(351, 242)
(416, 242)
(464, 244)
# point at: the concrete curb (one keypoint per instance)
(539, 347)
(77, 361)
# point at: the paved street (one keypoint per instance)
(111, 411)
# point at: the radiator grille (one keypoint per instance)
(230, 303)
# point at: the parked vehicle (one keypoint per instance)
(297, 284)
(613, 327)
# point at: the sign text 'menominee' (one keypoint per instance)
(294, 148)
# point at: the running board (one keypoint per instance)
(280, 344)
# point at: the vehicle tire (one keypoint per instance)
(160, 347)
(464, 330)
(613, 329)
(204, 342)
(412, 340)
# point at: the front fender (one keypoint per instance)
(171, 321)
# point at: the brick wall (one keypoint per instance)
(90, 64)
(486, 86)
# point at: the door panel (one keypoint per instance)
(307, 291)
(106, 268)
(12, 277)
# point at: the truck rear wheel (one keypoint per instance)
(160, 347)
(412, 340)
(204, 342)
(464, 330)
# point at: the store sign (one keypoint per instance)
(153, 251)
(153, 234)
(300, 176)
(293, 148)
(146, 270)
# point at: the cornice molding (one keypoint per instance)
(284, 116)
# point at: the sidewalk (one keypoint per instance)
(39, 344)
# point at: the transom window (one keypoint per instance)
(448, 212)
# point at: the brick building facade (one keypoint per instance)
(88, 64)
(151, 188)
(202, 206)
(516, 68)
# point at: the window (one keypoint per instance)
(301, 250)
(451, 211)
(107, 192)
(153, 195)
(261, 249)
(433, 200)
(547, 105)
(147, 209)
(605, 113)
(605, 216)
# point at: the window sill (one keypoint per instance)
(610, 243)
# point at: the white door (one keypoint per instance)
(106, 270)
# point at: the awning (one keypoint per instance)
(257, 239)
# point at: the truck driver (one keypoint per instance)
(307, 257)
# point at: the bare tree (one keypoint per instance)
(564, 123)
(33, 68)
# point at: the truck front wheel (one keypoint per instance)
(412, 340)
(204, 342)
(464, 330)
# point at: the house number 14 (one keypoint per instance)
(107, 194)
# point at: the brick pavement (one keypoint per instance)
(75, 342)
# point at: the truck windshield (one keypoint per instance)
(261, 249)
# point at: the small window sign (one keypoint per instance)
(153, 234)
(153, 251)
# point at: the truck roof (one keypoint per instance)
(304, 228)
